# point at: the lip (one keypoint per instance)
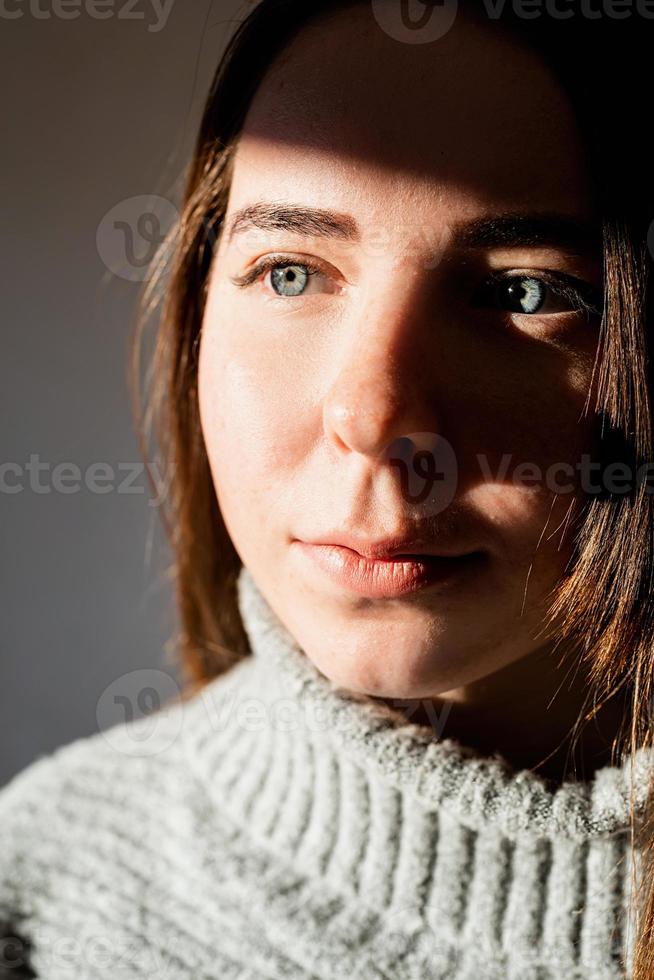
(385, 578)
(391, 547)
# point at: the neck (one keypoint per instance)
(531, 712)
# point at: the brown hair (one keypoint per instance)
(605, 602)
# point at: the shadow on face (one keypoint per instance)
(394, 184)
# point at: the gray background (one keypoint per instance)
(96, 112)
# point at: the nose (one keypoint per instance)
(382, 401)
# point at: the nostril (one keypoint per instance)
(401, 448)
(405, 444)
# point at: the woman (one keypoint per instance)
(402, 386)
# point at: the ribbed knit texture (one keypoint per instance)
(276, 826)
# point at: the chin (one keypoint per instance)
(369, 672)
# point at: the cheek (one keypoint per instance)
(249, 409)
(528, 422)
(533, 538)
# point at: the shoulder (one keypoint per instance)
(110, 839)
(68, 813)
(123, 751)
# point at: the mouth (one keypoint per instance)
(406, 547)
(389, 576)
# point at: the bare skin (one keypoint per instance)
(304, 397)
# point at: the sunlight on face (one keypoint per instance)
(363, 308)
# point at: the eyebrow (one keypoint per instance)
(544, 229)
(576, 236)
(296, 218)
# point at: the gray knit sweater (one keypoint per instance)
(276, 826)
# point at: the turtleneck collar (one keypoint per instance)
(346, 786)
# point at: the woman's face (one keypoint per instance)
(336, 387)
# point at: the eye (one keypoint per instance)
(289, 280)
(290, 277)
(525, 294)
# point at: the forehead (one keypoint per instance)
(473, 113)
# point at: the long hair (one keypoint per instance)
(604, 604)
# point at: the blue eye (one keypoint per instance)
(521, 294)
(525, 295)
(288, 277)
(289, 280)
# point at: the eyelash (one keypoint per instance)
(273, 262)
(582, 295)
